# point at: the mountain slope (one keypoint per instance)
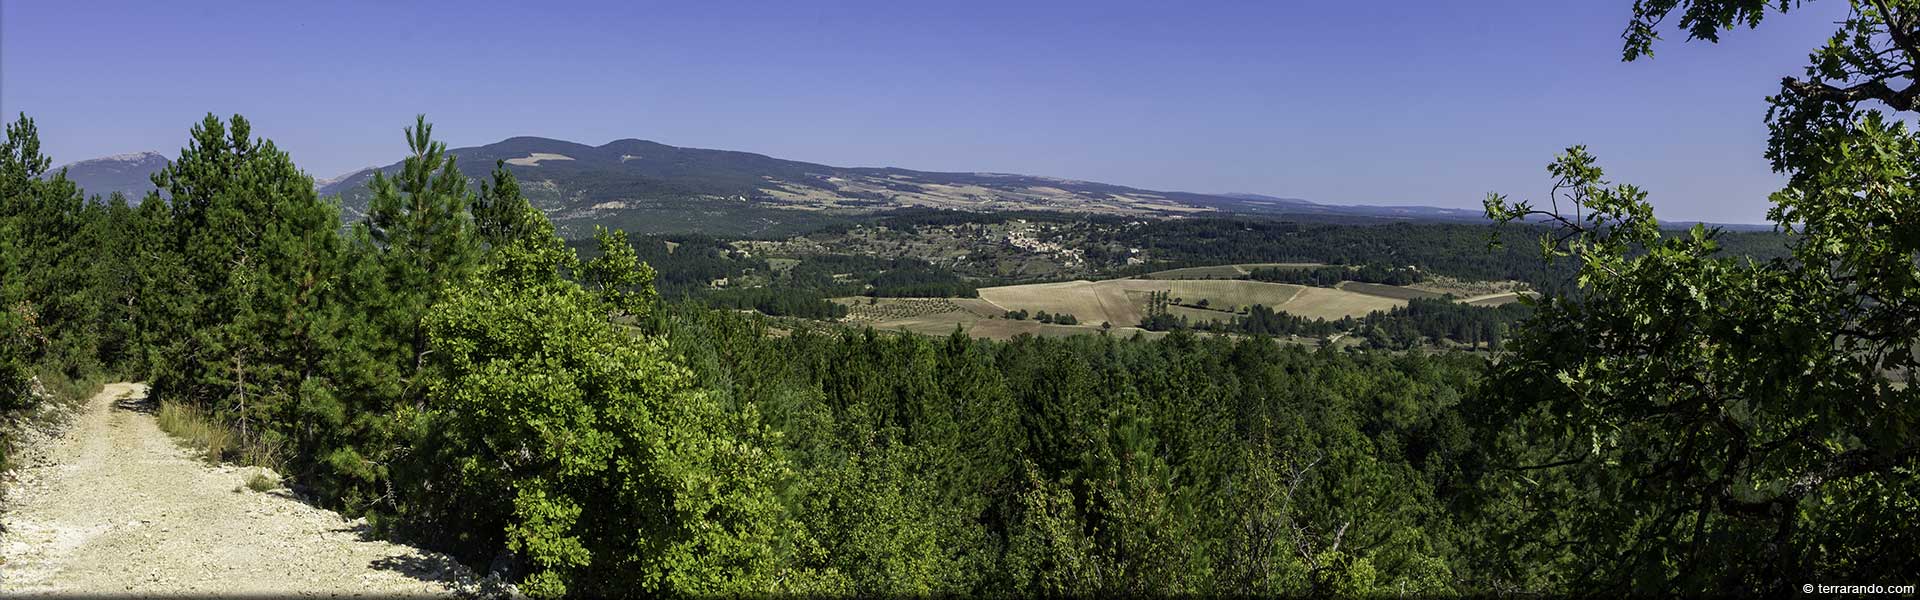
(653, 187)
(649, 187)
(1261, 203)
(125, 173)
(575, 181)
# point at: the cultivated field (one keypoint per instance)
(877, 310)
(1228, 294)
(1440, 284)
(1123, 303)
(1386, 291)
(1332, 304)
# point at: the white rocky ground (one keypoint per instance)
(116, 507)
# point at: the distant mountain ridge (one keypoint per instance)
(582, 178)
(647, 186)
(1299, 206)
(625, 181)
(128, 174)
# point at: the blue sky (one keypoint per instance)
(1413, 102)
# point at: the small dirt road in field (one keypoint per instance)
(115, 507)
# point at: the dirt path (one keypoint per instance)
(116, 507)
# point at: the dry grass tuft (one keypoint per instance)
(195, 428)
(217, 441)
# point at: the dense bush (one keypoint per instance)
(606, 469)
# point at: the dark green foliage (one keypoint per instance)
(48, 285)
(843, 275)
(1093, 465)
(605, 469)
(500, 214)
(914, 279)
(1422, 322)
(1327, 276)
(258, 250)
(22, 341)
(1459, 251)
(623, 284)
(1701, 19)
(713, 272)
(776, 302)
(1261, 320)
(419, 221)
(1723, 425)
(685, 264)
(62, 320)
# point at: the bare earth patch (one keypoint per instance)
(533, 160)
(116, 507)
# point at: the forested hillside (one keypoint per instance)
(657, 188)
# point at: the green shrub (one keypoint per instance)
(591, 450)
(260, 481)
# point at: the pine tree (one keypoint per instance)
(21, 339)
(419, 220)
(260, 253)
(500, 213)
(156, 294)
(48, 286)
(114, 284)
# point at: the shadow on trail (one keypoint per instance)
(445, 571)
(144, 404)
(423, 568)
(437, 568)
(359, 529)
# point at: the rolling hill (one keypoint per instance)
(653, 187)
(649, 187)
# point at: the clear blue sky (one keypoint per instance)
(1413, 102)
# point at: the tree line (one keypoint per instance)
(1458, 250)
(687, 267)
(1326, 276)
(1423, 322)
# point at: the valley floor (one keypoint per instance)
(115, 506)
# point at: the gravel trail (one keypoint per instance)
(116, 507)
